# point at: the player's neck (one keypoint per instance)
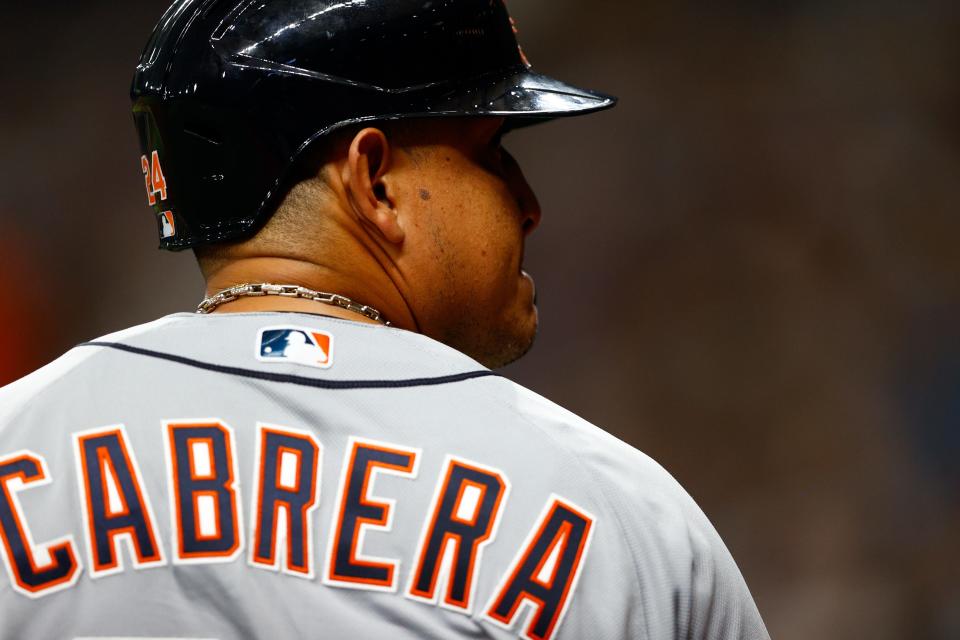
(361, 288)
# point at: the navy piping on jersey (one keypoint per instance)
(292, 379)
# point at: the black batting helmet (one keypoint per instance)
(230, 93)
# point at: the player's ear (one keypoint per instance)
(365, 178)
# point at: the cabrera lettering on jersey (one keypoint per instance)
(28, 576)
(465, 514)
(358, 511)
(115, 506)
(204, 507)
(287, 494)
(545, 572)
(204, 493)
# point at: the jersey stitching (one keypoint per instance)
(294, 379)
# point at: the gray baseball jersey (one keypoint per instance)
(282, 475)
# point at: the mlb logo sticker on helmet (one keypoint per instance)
(297, 345)
(168, 227)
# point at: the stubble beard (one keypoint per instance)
(493, 346)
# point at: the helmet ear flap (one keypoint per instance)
(155, 164)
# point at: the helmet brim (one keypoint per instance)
(524, 95)
(534, 95)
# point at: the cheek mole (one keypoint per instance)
(424, 194)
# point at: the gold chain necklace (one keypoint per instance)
(288, 291)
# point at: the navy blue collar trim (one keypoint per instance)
(292, 379)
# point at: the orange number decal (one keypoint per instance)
(159, 183)
(153, 178)
(151, 200)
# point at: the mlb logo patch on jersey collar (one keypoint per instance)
(299, 345)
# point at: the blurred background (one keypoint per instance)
(748, 269)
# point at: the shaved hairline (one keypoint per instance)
(299, 219)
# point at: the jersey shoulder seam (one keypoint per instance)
(305, 381)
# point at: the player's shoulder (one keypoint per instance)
(669, 537)
(68, 366)
(593, 446)
(620, 475)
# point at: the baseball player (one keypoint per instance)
(323, 450)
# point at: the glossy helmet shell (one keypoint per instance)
(229, 94)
